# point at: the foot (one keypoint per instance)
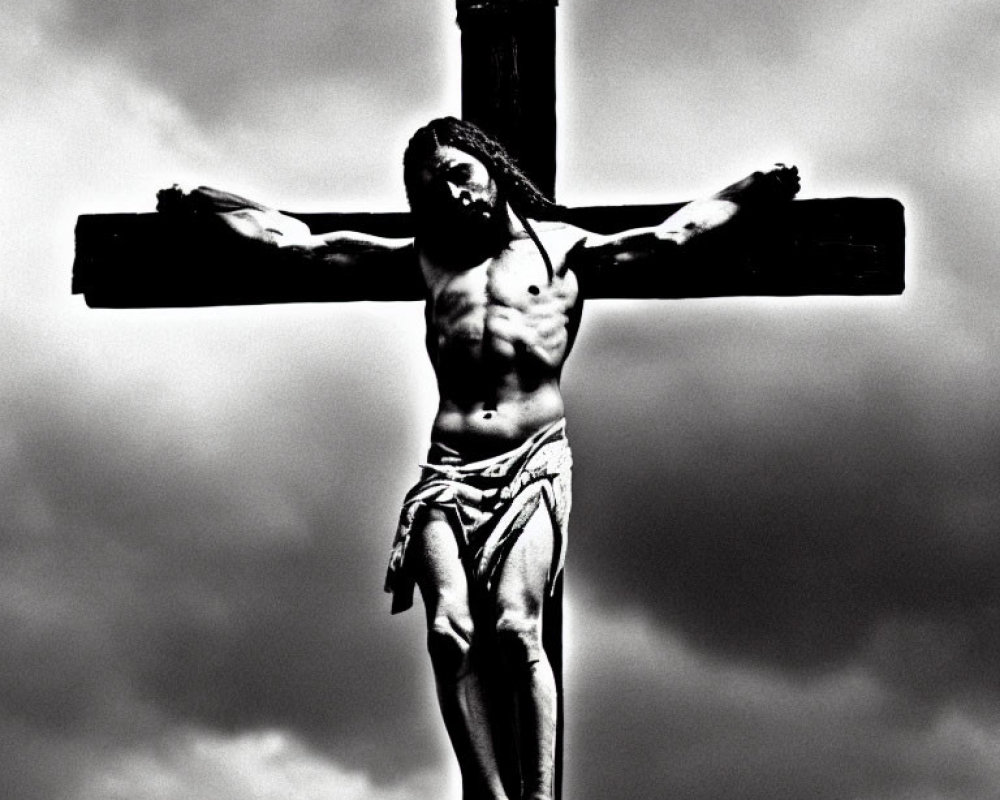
(776, 185)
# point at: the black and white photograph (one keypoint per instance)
(306, 496)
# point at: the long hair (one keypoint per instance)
(515, 187)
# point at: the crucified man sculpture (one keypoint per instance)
(483, 533)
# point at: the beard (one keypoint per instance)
(454, 233)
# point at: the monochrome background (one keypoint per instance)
(784, 568)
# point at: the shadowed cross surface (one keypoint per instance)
(849, 246)
(846, 246)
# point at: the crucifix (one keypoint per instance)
(494, 314)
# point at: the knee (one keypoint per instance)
(519, 641)
(449, 641)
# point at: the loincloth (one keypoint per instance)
(487, 504)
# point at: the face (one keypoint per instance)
(459, 185)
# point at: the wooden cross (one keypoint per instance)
(847, 246)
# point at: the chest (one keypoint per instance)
(516, 279)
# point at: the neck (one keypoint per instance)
(462, 246)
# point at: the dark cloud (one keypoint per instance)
(150, 580)
(789, 524)
(685, 726)
(213, 56)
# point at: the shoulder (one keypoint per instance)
(558, 231)
(559, 238)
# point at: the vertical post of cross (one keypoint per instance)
(509, 90)
(509, 79)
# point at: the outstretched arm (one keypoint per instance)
(692, 224)
(264, 253)
(253, 222)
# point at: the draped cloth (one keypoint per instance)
(488, 504)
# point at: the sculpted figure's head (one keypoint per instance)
(458, 188)
(452, 169)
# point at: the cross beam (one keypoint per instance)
(846, 246)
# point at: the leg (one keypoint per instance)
(445, 591)
(520, 595)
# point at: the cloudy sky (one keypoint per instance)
(784, 576)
